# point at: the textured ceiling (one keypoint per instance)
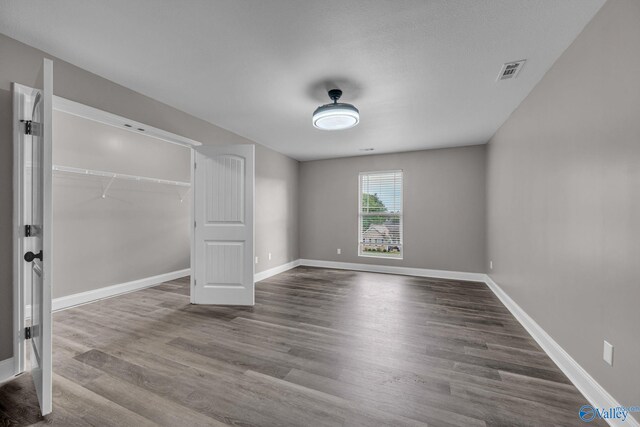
(422, 72)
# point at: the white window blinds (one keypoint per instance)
(380, 214)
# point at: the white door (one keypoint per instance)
(223, 227)
(38, 168)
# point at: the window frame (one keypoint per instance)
(360, 215)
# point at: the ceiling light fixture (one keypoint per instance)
(336, 116)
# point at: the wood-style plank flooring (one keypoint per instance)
(321, 347)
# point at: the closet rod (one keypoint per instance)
(114, 175)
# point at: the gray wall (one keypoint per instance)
(139, 230)
(276, 209)
(444, 208)
(564, 200)
(21, 63)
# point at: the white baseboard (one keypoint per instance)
(405, 271)
(113, 290)
(135, 285)
(7, 369)
(596, 395)
(69, 301)
(275, 270)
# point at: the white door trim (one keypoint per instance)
(192, 226)
(21, 95)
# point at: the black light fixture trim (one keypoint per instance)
(335, 95)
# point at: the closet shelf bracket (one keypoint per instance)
(182, 196)
(104, 193)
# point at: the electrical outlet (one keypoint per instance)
(490, 265)
(339, 251)
(607, 354)
(256, 260)
(269, 256)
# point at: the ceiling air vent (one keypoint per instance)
(510, 70)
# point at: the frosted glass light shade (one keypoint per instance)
(336, 116)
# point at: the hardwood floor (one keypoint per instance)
(320, 348)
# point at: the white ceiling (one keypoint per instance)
(422, 72)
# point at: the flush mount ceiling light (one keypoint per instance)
(336, 116)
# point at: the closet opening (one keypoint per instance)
(121, 203)
(105, 205)
(121, 208)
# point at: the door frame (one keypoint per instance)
(21, 111)
(21, 103)
(192, 226)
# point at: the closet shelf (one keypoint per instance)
(113, 175)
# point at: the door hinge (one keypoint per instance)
(27, 231)
(194, 224)
(195, 165)
(27, 333)
(27, 126)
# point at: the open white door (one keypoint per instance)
(223, 228)
(36, 244)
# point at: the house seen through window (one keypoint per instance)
(380, 214)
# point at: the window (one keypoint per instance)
(380, 214)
